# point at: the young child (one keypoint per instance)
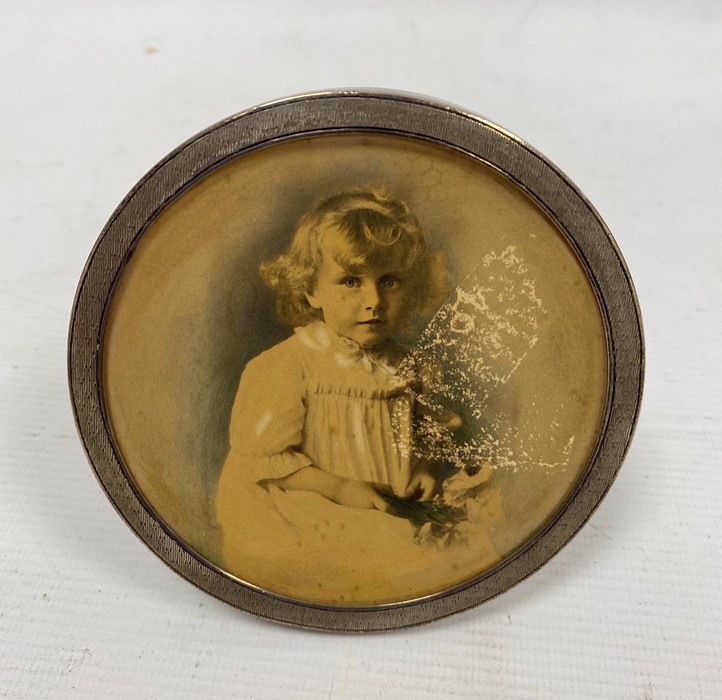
(325, 414)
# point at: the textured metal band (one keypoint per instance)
(360, 110)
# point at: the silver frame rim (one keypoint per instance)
(380, 112)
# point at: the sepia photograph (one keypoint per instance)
(345, 369)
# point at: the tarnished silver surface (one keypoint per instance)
(360, 110)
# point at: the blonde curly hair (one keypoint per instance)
(356, 228)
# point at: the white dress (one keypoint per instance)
(320, 399)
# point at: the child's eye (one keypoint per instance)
(350, 282)
(389, 281)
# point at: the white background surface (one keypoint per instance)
(626, 100)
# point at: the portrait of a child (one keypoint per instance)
(327, 416)
(345, 369)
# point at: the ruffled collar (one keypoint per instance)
(348, 353)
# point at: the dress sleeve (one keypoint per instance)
(266, 429)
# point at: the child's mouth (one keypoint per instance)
(370, 322)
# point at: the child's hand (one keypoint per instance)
(422, 485)
(360, 494)
(266, 483)
(345, 492)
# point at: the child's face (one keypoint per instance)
(367, 306)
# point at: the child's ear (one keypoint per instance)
(313, 301)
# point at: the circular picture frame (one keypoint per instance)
(175, 271)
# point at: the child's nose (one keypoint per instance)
(372, 298)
